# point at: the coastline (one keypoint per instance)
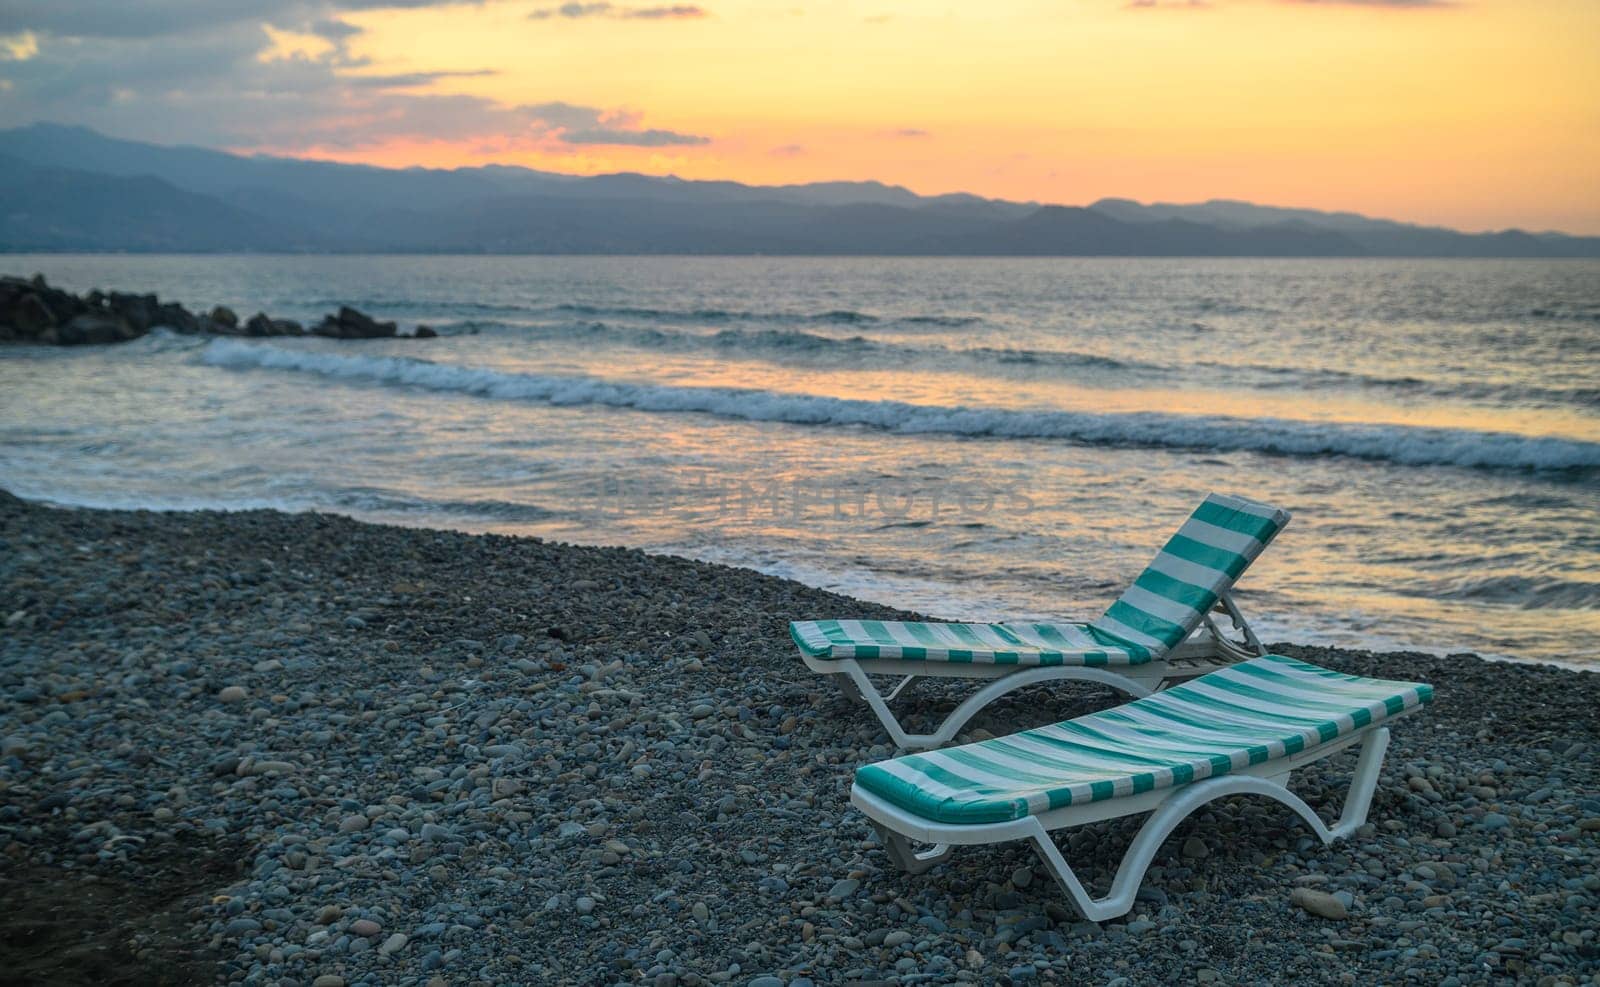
(245, 741)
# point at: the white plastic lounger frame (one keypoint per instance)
(1238, 731)
(1128, 648)
(1171, 806)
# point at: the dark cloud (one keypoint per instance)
(156, 18)
(334, 30)
(632, 138)
(410, 80)
(574, 11)
(682, 11)
(214, 84)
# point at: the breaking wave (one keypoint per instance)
(1393, 443)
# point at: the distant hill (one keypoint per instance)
(69, 188)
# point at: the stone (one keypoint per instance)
(92, 329)
(233, 694)
(1022, 877)
(1319, 903)
(393, 944)
(898, 937)
(354, 823)
(224, 316)
(328, 980)
(425, 332)
(365, 928)
(1195, 848)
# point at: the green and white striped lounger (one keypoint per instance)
(1238, 730)
(1159, 630)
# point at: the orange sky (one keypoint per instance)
(1479, 114)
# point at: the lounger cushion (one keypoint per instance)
(1258, 710)
(1207, 555)
(1019, 643)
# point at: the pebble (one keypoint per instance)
(233, 694)
(1319, 903)
(456, 794)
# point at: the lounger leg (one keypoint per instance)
(1119, 901)
(977, 701)
(905, 857)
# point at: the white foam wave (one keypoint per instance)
(1393, 443)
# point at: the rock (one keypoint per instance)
(1022, 877)
(30, 315)
(329, 914)
(350, 323)
(223, 316)
(141, 312)
(94, 329)
(233, 694)
(328, 980)
(354, 824)
(584, 905)
(898, 937)
(1319, 903)
(393, 944)
(366, 928)
(425, 332)
(844, 888)
(261, 324)
(1195, 848)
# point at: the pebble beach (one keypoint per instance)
(299, 749)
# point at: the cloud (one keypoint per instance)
(1169, 5)
(788, 151)
(575, 11)
(230, 83)
(18, 47)
(632, 138)
(334, 30)
(157, 18)
(909, 133)
(682, 11)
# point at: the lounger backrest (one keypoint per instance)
(1198, 564)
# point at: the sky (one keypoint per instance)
(1476, 114)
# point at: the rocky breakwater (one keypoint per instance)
(32, 311)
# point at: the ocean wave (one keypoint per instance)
(1393, 443)
(1525, 592)
(1263, 376)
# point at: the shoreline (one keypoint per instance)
(1380, 645)
(533, 761)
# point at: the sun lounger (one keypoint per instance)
(1236, 731)
(1161, 629)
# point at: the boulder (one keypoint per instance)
(350, 323)
(141, 312)
(177, 318)
(223, 316)
(261, 324)
(426, 332)
(30, 316)
(94, 327)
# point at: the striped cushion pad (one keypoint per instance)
(1255, 711)
(1212, 549)
(989, 644)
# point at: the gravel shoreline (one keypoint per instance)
(299, 749)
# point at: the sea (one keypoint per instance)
(968, 438)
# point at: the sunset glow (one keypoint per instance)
(1482, 114)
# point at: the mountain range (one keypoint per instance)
(72, 189)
